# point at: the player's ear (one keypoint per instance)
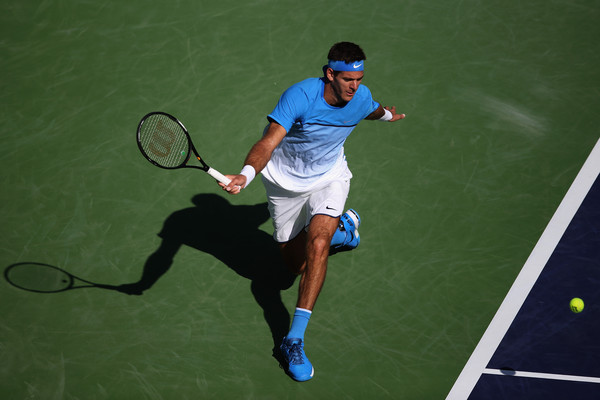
(329, 74)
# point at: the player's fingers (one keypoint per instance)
(233, 182)
(224, 185)
(231, 188)
(234, 189)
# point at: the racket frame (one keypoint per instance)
(204, 167)
(69, 284)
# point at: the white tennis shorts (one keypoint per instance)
(292, 211)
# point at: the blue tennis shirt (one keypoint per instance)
(313, 148)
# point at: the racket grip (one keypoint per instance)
(218, 176)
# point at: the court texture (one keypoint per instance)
(479, 211)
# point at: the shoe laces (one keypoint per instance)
(295, 353)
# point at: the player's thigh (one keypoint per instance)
(288, 212)
(329, 200)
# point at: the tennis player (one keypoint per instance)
(307, 180)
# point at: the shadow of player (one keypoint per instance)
(230, 233)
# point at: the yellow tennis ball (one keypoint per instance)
(576, 305)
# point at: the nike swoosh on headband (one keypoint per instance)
(342, 66)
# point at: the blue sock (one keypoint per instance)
(299, 323)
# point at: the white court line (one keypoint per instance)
(527, 277)
(538, 375)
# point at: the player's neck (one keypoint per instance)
(331, 97)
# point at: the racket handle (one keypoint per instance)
(218, 176)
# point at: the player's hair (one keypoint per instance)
(347, 52)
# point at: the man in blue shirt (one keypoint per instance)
(304, 170)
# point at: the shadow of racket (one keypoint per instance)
(44, 278)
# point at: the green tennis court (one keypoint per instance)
(502, 104)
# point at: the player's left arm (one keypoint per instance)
(381, 111)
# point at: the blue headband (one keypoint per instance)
(343, 66)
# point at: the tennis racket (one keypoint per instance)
(44, 278)
(165, 142)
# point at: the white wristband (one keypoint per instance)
(387, 115)
(249, 172)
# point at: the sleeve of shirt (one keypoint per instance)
(371, 105)
(290, 107)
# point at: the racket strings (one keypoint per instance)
(164, 141)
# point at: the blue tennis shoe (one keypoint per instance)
(298, 367)
(346, 236)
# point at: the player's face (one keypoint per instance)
(345, 84)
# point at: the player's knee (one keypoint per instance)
(319, 244)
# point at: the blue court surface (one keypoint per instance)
(535, 347)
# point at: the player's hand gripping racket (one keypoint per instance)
(165, 142)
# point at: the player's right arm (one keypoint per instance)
(258, 156)
(290, 107)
